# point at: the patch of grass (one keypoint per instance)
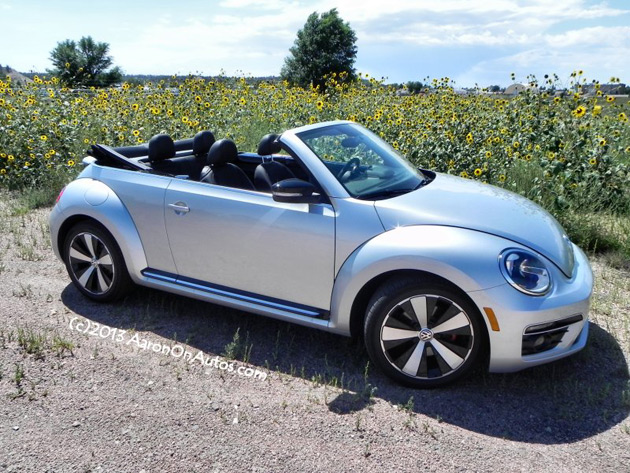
(610, 301)
(366, 451)
(238, 349)
(357, 422)
(276, 347)
(26, 252)
(368, 391)
(43, 193)
(429, 430)
(23, 291)
(18, 376)
(410, 422)
(600, 233)
(32, 342)
(232, 349)
(247, 349)
(617, 259)
(408, 406)
(60, 346)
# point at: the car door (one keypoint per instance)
(245, 241)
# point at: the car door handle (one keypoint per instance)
(179, 208)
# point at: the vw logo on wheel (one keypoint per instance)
(425, 334)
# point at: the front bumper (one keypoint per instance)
(516, 312)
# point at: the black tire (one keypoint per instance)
(413, 354)
(95, 263)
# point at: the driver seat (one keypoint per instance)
(269, 172)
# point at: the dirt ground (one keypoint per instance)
(145, 385)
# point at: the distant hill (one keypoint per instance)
(138, 79)
(15, 76)
(143, 78)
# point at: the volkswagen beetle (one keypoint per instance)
(329, 227)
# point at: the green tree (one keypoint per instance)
(325, 45)
(415, 87)
(84, 63)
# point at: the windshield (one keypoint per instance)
(363, 163)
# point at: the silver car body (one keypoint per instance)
(309, 263)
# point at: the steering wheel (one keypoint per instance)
(349, 168)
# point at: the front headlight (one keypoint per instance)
(525, 272)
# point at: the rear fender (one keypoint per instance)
(88, 199)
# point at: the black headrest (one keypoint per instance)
(269, 145)
(222, 152)
(161, 147)
(202, 142)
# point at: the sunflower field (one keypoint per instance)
(567, 151)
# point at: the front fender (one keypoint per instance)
(88, 198)
(467, 258)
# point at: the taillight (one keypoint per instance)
(60, 194)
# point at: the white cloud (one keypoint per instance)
(600, 63)
(491, 23)
(430, 34)
(254, 44)
(550, 10)
(543, 36)
(594, 37)
(262, 4)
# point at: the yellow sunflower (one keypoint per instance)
(580, 111)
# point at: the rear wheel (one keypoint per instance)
(422, 334)
(95, 263)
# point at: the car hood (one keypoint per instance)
(457, 202)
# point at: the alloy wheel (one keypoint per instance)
(91, 263)
(427, 336)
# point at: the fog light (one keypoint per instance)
(546, 336)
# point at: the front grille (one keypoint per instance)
(542, 337)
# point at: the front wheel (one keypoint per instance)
(95, 263)
(423, 335)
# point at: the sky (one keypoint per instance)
(471, 42)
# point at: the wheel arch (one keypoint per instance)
(461, 259)
(362, 299)
(67, 225)
(110, 215)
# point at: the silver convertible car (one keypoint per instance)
(328, 227)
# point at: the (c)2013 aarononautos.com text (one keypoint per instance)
(118, 335)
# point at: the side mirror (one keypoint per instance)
(295, 191)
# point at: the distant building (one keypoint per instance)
(460, 91)
(608, 89)
(516, 89)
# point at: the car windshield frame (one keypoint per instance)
(365, 165)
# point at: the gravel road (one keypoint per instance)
(148, 384)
